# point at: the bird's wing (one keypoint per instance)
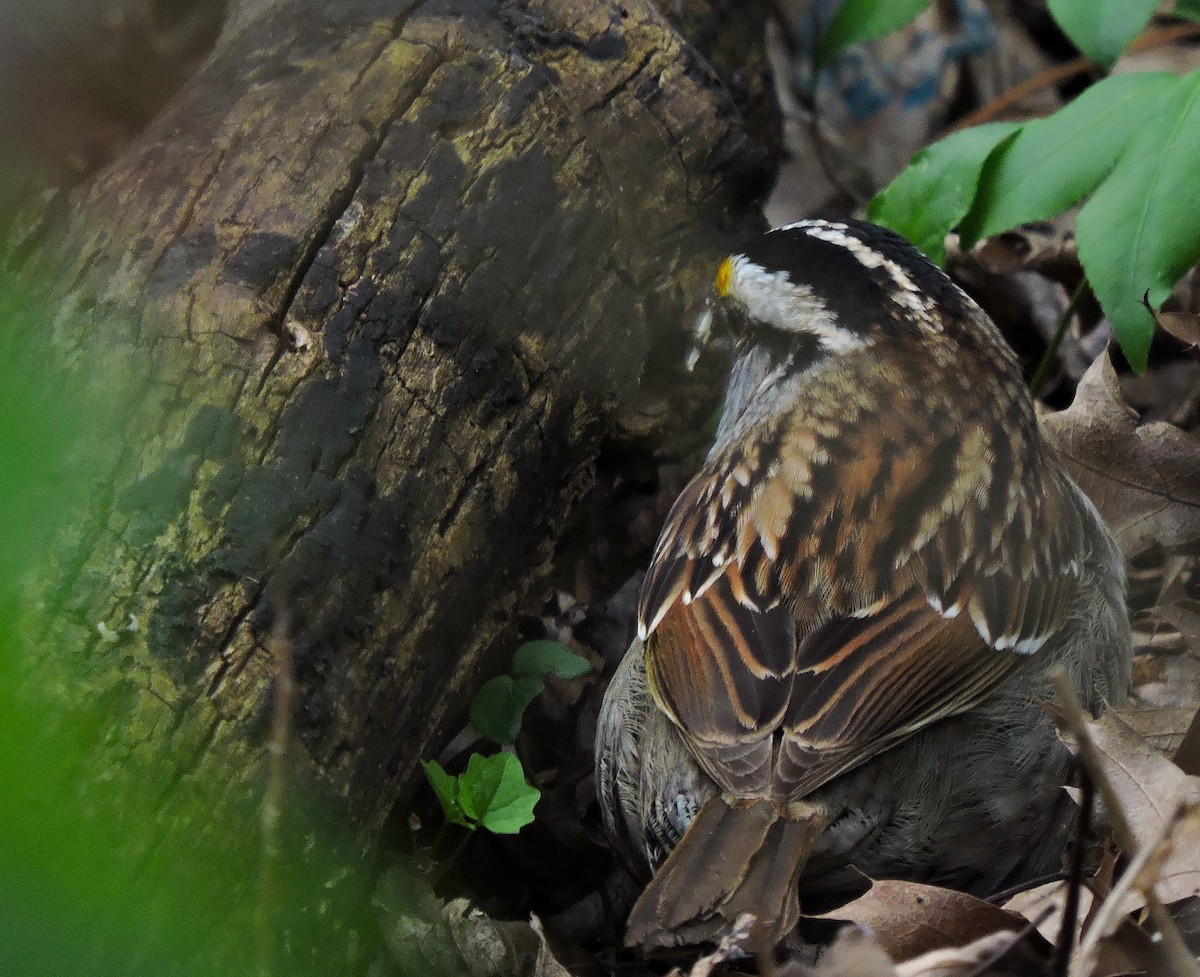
(865, 683)
(876, 588)
(724, 674)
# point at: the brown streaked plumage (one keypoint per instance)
(870, 577)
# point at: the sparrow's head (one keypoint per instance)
(818, 288)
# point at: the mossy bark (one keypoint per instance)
(377, 282)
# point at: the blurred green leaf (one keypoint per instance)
(1053, 163)
(1140, 231)
(54, 434)
(537, 658)
(859, 21)
(494, 793)
(1187, 8)
(124, 851)
(446, 787)
(934, 192)
(498, 706)
(1102, 29)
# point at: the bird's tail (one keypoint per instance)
(733, 859)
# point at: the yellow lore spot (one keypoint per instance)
(724, 277)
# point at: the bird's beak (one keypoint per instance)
(710, 327)
(701, 332)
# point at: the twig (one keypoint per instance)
(1102, 922)
(437, 839)
(1001, 897)
(1048, 358)
(1181, 960)
(280, 647)
(450, 859)
(1059, 73)
(784, 22)
(1066, 929)
(821, 151)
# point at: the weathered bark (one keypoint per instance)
(731, 34)
(379, 280)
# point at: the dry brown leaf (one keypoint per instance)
(1162, 727)
(1168, 679)
(1130, 950)
(1184, 326)
(909, 919)
(1175, 867)
(1162, 393)
(1144, 479)
(1150, 787)
(1045, 248)
(1160, 802)
(1165, 703)
(1108, 959)
(1034, 903)
(1127, 774)
(1166, 695)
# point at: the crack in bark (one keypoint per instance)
(341, 200)
(339, 203)
(224, 644)
(623, 85)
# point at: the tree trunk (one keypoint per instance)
(376, 283)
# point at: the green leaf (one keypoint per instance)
(1141, 229)
(1102, 29)
(859, 21)
(446, 786)
(495, 794)
(1053, 163)
(536, 658)
(1187, 8)
(934, 192)
(498, 706)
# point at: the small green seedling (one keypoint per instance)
(491, 793)
(500, 704)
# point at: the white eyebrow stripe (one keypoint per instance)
(782, 303)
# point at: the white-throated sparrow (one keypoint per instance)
(855, 606)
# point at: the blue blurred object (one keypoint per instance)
(902, 70)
